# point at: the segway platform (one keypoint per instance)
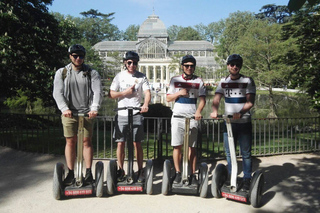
(181, 188)
(241, 196)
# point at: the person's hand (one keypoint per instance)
(184, 92)
(92, 114)
(214, 115)
(144, 109)
(197, 116)
(129, 90)
(236, 116)
(67, 113)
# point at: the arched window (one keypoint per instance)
(151, 49)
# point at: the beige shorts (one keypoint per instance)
(177, 132)
(70, 126)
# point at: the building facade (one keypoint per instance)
(158, 55)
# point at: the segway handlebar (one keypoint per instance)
(129, 107)
(181, 116)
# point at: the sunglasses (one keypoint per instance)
(78, 56)
(187, 66)
(237, 65)
(132, 62)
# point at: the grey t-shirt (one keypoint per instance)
(79, 86)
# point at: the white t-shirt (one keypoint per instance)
(124, 80)
(186, 106)
(234, 92)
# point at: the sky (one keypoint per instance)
(171, 12)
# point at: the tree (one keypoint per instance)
(263, 51)
(214, 31)
(173, 32)
(305, 28)
(131, 33)
(202, 30)
(31, 47)
(187, 34)
(96, 27)
(295, 5)
(274, 13)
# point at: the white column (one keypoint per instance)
(154, 74)
(167, 75)
(161, 80)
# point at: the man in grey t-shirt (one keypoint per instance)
(77, 89)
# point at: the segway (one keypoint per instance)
(130, 183)
(78, 188)
(233, 191)
(185, 186)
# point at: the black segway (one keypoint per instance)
(130, 184)
(185, 186)
(220, 188)
(78, 188)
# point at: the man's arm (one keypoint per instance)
(215, 105)
(201, 105)
(147, 99)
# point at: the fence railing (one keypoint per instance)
(43, 134)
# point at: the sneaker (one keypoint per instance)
(88, 178)
(141, 177)
(120, 175)
(69, 180)
(177, 178)
(194, 180)
(246, 184)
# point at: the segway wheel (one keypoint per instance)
(203, 180)
(256, 188)
(99, 179)
(219, 176)
(166, 177)
(58, 176)
(149, 177)
(111, 177)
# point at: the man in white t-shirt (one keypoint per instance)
(239, 93)
(185, 90)
(128, 87)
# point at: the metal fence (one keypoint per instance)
(43, 134)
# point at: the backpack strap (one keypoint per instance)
(64, 73)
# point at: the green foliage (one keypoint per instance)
(173, 32)
(32, 45)
(305, 28)
(188, 33)
(131, 33)
(274, 13)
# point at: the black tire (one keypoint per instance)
(99, 179)
(149, 177)
(112, 177)
(58, 177)
(166, 177)
(256, 188)
(203, 180)
(219, 176)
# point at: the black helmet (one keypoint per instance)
(235, 58)
(77, 48)
(131, 55)
(188, 58)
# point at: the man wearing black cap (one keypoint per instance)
(239, 94)
(185, 90)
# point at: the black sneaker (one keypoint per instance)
(88, 178)
(69, 180)
(246, 184)
(177, 178)
(120, 175)
(194, 180)
(141, 177)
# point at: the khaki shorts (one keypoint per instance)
(70, 126)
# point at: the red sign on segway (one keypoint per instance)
(234, 197)
(78, 192)
(130, 188)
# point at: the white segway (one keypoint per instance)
(185, 186)
(78, 188)
(219, 188)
